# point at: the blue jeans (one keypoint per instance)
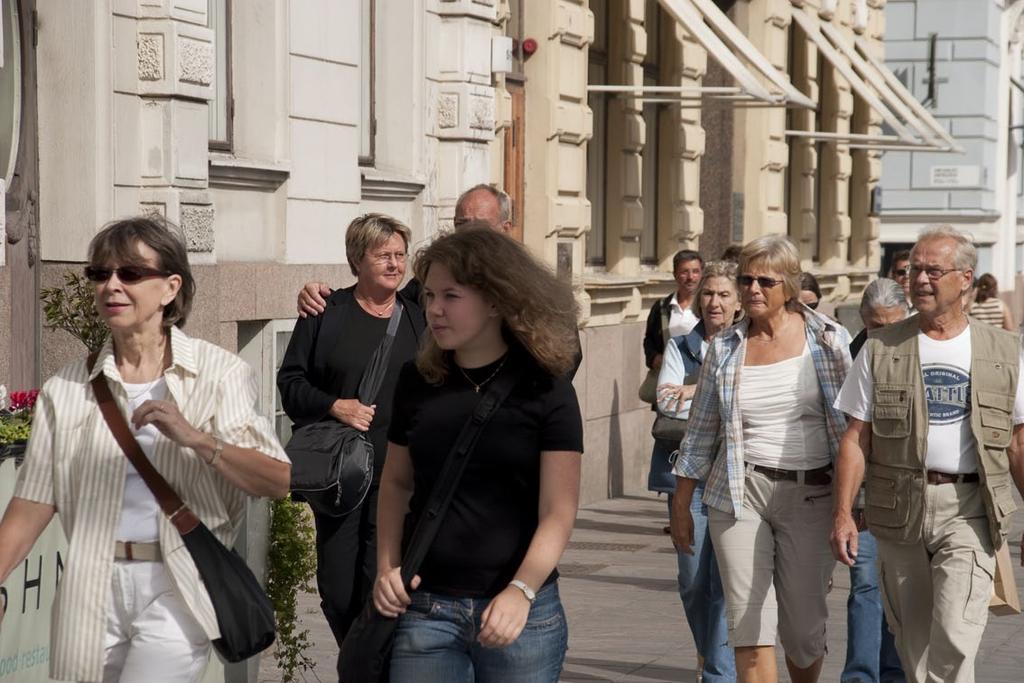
(700, 588)
(436, 642)
(870, 649)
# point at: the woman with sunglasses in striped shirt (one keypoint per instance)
(130, 605)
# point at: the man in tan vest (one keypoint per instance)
(935, 416)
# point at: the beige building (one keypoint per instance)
(623, 129)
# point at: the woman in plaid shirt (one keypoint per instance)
(762, 436)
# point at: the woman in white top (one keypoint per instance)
(130, 605)
(762, 435)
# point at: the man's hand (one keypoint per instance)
(681, 524)
(353, 413)
(311, 299)
(844, 538)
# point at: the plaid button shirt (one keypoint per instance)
(712, 450)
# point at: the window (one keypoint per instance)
(367, 120)
(649, 167)
(649, 182)
(10, 90)
(597, 148)
(262, 344)
(221, 107)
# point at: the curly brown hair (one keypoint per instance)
(537, 309)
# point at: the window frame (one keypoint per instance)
(226, 144)
(368, 85)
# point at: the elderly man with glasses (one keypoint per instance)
(935, 412)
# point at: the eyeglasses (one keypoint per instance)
(932, 273)
(900, 272)
(126, 274)
(762, 281)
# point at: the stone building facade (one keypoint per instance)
(623, 129)
(964, 60)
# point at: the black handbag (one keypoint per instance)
(332, 463)
(365, 655)
(245, 614)
(668, 428)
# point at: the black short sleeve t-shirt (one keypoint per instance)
(493, 516)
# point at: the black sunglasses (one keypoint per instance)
(762, 281)
(126, 274)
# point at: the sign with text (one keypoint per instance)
(956, 176)
(27, 595)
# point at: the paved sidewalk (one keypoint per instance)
(625, 619)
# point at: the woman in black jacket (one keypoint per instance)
(319, 380)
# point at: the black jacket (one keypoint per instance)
(304, 367)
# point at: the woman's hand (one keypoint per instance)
(353, 413)
(681, 524)
(504, 619)
(389, 594)
(166, 417)
(673, 396)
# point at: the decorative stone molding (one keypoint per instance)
(151, 56)
(230, 172)
(195, 62)
(381, 186)
(478, 9)
(465, 111)
(175, 59)
(197, 225)
(190, 11)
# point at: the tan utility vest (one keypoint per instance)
(896, 474)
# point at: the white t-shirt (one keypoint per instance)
(945, 369)
(140, 513)
(783, 413)
(680, 320)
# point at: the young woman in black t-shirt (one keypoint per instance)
(485, 604)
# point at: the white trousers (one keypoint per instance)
(151, 636)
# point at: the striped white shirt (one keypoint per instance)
(74, 464)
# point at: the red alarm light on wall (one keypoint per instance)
(529, 47)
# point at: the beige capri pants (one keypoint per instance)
(775, 565)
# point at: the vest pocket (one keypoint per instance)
(890, 411)
(1002, 501)
(996, 423)
(885, 498)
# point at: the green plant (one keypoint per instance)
(292, 565)
(72, 308)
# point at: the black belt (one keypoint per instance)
(935, 477)
(815, 477)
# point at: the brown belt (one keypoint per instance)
(816, 477)
(945, 478)
(139, 552)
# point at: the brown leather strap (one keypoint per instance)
(183, 519)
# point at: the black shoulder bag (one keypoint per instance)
(245, 614)
(365, 654)
(332, 463)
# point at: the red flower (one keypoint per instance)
(23, 400)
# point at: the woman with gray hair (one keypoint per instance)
(762, 435)
(870, 647)
(319, 381)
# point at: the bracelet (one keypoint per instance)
(218, 450)
(527, 591)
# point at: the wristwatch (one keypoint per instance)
(527, 591)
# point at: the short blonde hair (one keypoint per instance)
(778, 255)
(368, 231)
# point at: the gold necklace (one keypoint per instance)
(369, 307)
(477, 387)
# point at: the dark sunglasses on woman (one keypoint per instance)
(127, 274)
(762, 281)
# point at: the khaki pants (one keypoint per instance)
(775, 565)
(936, 592)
